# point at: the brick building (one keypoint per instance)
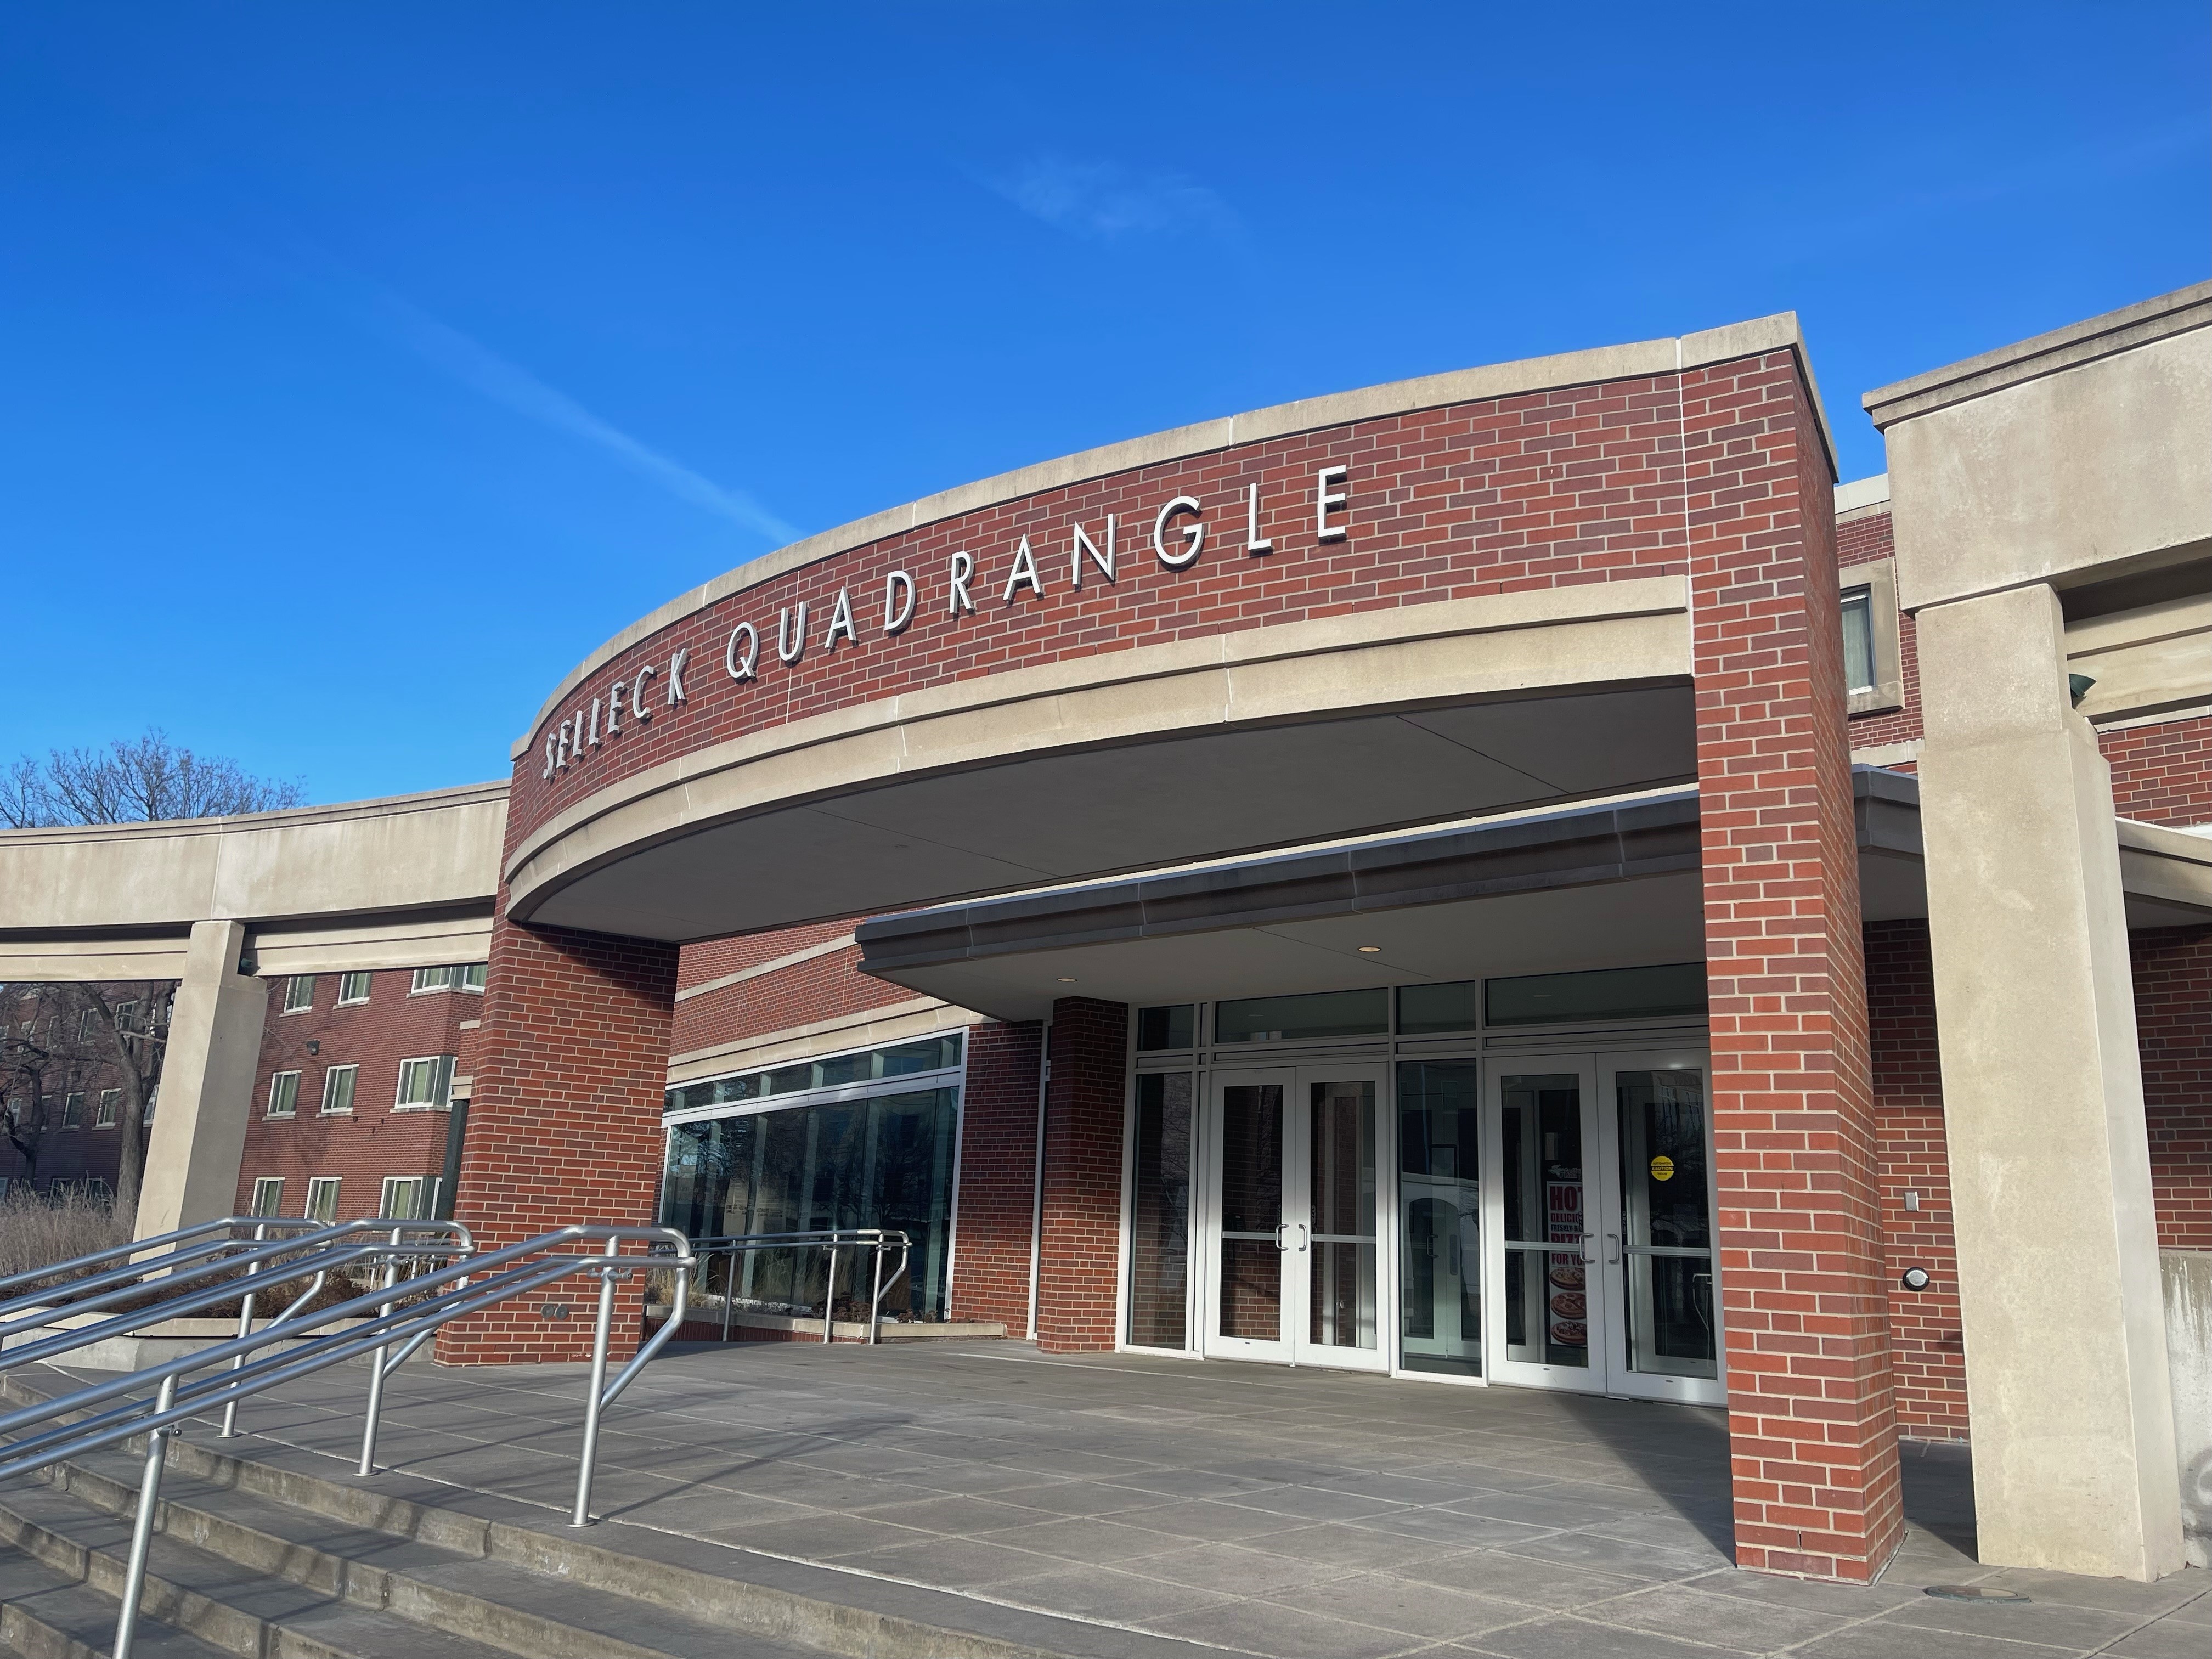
(1514, 878)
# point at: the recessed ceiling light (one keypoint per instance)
(1068, 979)
(1368, 950)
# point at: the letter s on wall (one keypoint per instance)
(1193, 535)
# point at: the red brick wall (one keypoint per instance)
(821, 988)
(2173, 1023)
(1543, 489)
(1863, 538)
(711, 958)
(1083, 1108)
(58, 1152)
(378, 1139)
(2162, 774)
(565, 1123)
(1927, 1348)
(998, 1176)
(1812, 1424)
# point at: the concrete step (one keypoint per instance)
(514, 1577)
(255, 1577)
(46, 1615)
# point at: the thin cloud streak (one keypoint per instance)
(490, 375)
(1105, 202)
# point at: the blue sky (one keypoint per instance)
(367, 364)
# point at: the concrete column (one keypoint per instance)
(2067, 1384)
(207, 1085)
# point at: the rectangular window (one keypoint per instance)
(882, 1161)
(1159, 1211)
(322, 1199)
(425, 1082)
(126, 1018)
(283, 1094)
(472, 975)
(403, 1198)
(1858, 639)
(1675, 991)
(337, 1089)
(298, 993)
(1287, 1019)
(269, 1196)
(111, 1109)
(73, 1110)
(84, 1025)
(352, 988)
(938, 1053)
(1173, 1027)
(433, 979)
(1428, 1008)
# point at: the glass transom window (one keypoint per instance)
(1674, 991)
(1290, 1019)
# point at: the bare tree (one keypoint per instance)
(116, 1030)
(132, 780)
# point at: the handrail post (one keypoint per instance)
(142, 1531)
(829, 1298)
(596, 1402)
(876, 1294)
(729, 1291)
(376, 1372)
(230, 1430)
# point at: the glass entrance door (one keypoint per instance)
(1603, 1271)
(1293, 1257)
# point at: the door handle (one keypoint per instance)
(1281, 1227)
(1304, 1237)
(1613, 1244)
(1588, 1260)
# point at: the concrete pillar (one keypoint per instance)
(207, 1085)
(564, 1124)
(1812, 1421)
(2067, 1384)
(1080, 1250)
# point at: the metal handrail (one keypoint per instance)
(477, 1281)
(835, 1240)
(185, 1243)
(444, 1238)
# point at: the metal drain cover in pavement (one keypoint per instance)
(1972, 1593)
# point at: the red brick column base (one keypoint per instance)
(565, 1124)
(1811, 1424)
(998, 1176)
(1082, 1242)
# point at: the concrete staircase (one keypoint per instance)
(273, 1554)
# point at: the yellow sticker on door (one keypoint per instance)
(1662, 1168)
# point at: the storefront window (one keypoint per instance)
(885, 1161)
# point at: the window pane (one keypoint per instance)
(337, 1088)
(1440, 1218)
(1159, 1246)
(1173, 1027)
(353, 987)
(1858, 640)
(1282, 1019)
(283, 1094)
(299, 993)
(269, 1196)
(1675, 990)
(1437, 1007)
(472, 976)
(323, 1200)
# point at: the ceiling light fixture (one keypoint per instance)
(1368, 950)
(1068, 979)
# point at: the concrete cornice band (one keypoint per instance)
(290, 817)
(1597, 633)
(1861, 494)
(773, 965)
(2123, 330)
(1641, 360)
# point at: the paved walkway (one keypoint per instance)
(1286, 1513)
